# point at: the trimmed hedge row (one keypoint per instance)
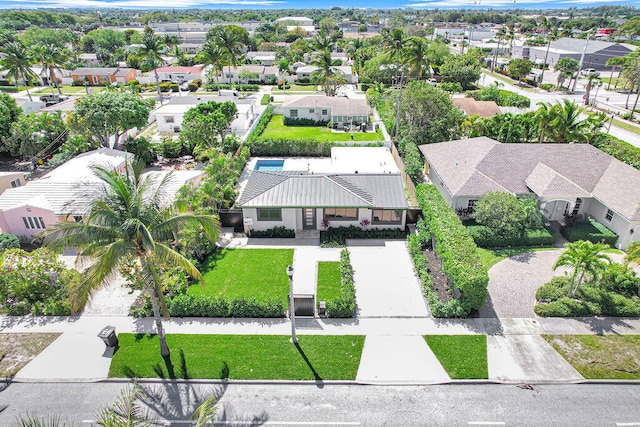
(618, 148)
(345, 306)
(288, 121)
(275, 232)
(590, 230)
(262, 124)
(290, 147)
(455, 246)
(486, 238)
(335, 237)
(206, 306)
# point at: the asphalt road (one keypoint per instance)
(347, 405)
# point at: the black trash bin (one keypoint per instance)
(108, 335)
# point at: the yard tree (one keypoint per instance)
(126, 221)
(150, 56)
(566, 67)
(206, 124)
(36, 135)
(326, 72)
(614, 63)
(416, 57)
(231, 39)
(565, 125)
(584, 258)
(17, 61)
(427, 114)
(501, 212)
(107, 115)
(633, 253)
(519, 68)
(464, 69)
(532, 212)
(9, 113)
(393, 44)
(631, 28)
(213, 55)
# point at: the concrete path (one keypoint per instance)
(385, 283)
(526, 358)
(305, 266)
(397, 358)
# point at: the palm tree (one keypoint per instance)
(553, 36)
(126, 411)
(532, 211)
(416, 56)
(500, 35)
(149, 53)
(615, 62)
(214, 55)
(53, 59)
(17, 61)
(322, 42)
(393, 43)
(633, 253)
(127, 222)
(584, 257)
(566, 125)
(326, 70)
(544, 116)
(230, 41)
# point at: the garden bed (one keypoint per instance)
(591, 230)
(439, 279)
(335, 237)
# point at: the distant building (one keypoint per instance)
(100, 76)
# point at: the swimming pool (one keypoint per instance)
(268, 165)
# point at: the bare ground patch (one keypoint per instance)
(16, 350)
(600, 356)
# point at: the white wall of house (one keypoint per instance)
(618, 224)
(317, 114)
(288, 220)
(167, 122)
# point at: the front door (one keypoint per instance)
(309, 219)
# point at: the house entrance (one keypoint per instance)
(308, 219)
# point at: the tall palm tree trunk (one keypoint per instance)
(164, 348)
(158, 84)
(52, 77)
(544, 63)
(635, 104)
(573, 290)
(26, 86)
(610, 77)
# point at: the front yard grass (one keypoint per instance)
(328, 280)
(462, 356)
(16, 350)
(490, 257)
(276, 129)
(247, 357)
(600, 356)
(235, 273)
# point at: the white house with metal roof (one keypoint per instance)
(354, 187)
(566, 178)
(339, 110)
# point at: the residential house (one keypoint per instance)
(90, 59)
(339, 110)
(177, 74)
(566, 179)
(264, 58)
(61, 195)
(343, 70)
(190, 48)
(100, 76)
(294, 23)
(359, 187)
(259, 72)
(169, 117)
(596, 52)
(471, 107)
(12, 179)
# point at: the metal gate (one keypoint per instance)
(231, 218)
(305, 304)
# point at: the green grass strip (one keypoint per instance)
(247, 357)
(328, 280)
(234, 273)
(277, 129)
(462, 356)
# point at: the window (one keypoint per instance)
(16, 183)
(269, 214)
(293, 114)
(324, 112)
(576, 207)
(387, 216)
(609, 215)
(312, 110)
(169, 119)
(471, 204)
(33, 222)
(338, 214)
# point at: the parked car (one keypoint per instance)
(52, 99)
(589, 71)
(432, 81)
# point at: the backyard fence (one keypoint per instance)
(406, 179)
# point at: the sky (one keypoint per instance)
(305, 4)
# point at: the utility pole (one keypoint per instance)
(584, 50)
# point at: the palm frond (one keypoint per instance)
(125, 411)
(206, 412)
(171, 257)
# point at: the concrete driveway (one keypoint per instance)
(385, 283)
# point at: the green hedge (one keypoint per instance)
(301, 121)
(455, 246)
(237, 86)
(618, 148)
(345, 306)
(9, 89)
(275, 232)
(486, 238)
(590, 230)
(262, 125)
(266, 99)
(290, 147)
(206, 306)
(335, 237)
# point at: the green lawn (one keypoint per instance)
(277, 129)
(296, 88)
(250, 357)
(462, 356)
(328, 280)
(258, 273)
(490, 257)
(70, 90)
(626, 126)
(600, 356)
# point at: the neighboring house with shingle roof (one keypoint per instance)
(100, 76)
(566, 178)
(471, 107)
(354, 185)
(337, 109)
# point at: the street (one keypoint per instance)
(342, 405)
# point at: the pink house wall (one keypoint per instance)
(11, 221)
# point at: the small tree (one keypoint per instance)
(633, 253)
(566, 67)
(518, 68)
(532, 212)
(584, 257)
(501, 212)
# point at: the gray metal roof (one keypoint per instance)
(301, 189)
(593, 46)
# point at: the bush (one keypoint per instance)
(458, 251)
(9, 241)
(290, 147)
(345, 306)
(266, 99)
(169, 148)
(9, 89)
(486, 237)
(334, 237)
(262, 125)
(546, 86)
(618, 148)
(275, 232)
(503, 98)
(453, 87)
(165, 86)
(205, 306)
(590, 230)
(288, 121)
(192, 86)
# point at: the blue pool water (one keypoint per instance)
(269, 165)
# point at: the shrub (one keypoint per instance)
(275, 232)
(9, 89)
(345, 305)
(288, 121)
(590, 230)
(186, 305)
(453, 87)
(486, 237)
(620, 279)
(262, 125)
(169, 148)
(501, 212)
(456, 248)
(165, 86)
(192, 86)
(290, 147)
(546, 86)
(618, 148)
(9, 241)
(334, 237)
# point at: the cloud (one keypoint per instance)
(127, 4)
